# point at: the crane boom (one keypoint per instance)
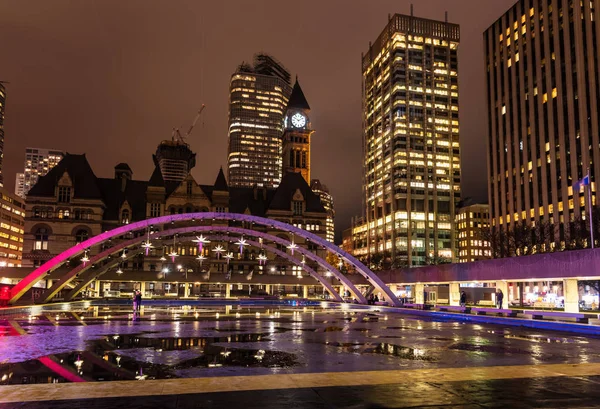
(195, 120)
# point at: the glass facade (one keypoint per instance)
(258, 98)
(410, 142)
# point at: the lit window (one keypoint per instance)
(41, 239)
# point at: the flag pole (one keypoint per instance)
(590, 206)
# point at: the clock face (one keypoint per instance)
(298, 120)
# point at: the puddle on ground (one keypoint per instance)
(103, 362)
(545, 339)
(399, 351)
(128, 341)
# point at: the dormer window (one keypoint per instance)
(64, 194)
(125, 216)
(297, 207)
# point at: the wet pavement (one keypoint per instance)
(109, 343)
(560, 392)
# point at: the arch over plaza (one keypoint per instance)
(70, 275)
(79, 248)
(97, 273)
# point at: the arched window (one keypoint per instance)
(36, 212)
(188, 209)
(172, 210)
(81, 235)
(41, 239)
(125, 216)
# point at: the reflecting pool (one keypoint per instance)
(84, 343)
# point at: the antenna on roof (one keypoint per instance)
(446, 16)
(411, 10)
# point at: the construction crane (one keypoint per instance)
(177, 137)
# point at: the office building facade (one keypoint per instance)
(38, 162)
(543, 85)
(258, 97)
(327, 201)
(472, 227)
(410, 142)
(12, 216)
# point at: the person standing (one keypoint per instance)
(138, 299)
(134, 301)
(463, 299)
(499, 299)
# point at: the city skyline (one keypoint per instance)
(192, 70)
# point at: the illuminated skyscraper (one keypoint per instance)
(2, 109)
(410, 142)
(38, 162)
(258, 98)
(543, 90)
(327, 202)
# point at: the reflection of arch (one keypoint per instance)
(91, 277)
(25, 284)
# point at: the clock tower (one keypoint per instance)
(296, 134)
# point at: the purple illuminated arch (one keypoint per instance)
(274, 250)
(25, 284)
(197, 229)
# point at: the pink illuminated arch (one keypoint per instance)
(280, 253)
(58, 260)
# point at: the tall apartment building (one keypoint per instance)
(472, 224)
(327, 202)
(411, 141)
(12, 222)
(543, 86)
(258, 97)
(38, 162)
(2, 109)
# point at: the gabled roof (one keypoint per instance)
(84, 180)
(290, 183)
(221, 182)
(156, 179)
(297, 98)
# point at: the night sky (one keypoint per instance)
(111, 78)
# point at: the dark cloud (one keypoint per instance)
(111, 78)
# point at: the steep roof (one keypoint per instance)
(114, 197)
(84, 180)
(242, 198)
(291, 182)
(221, 182)
(297, 98)
(156, 179)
